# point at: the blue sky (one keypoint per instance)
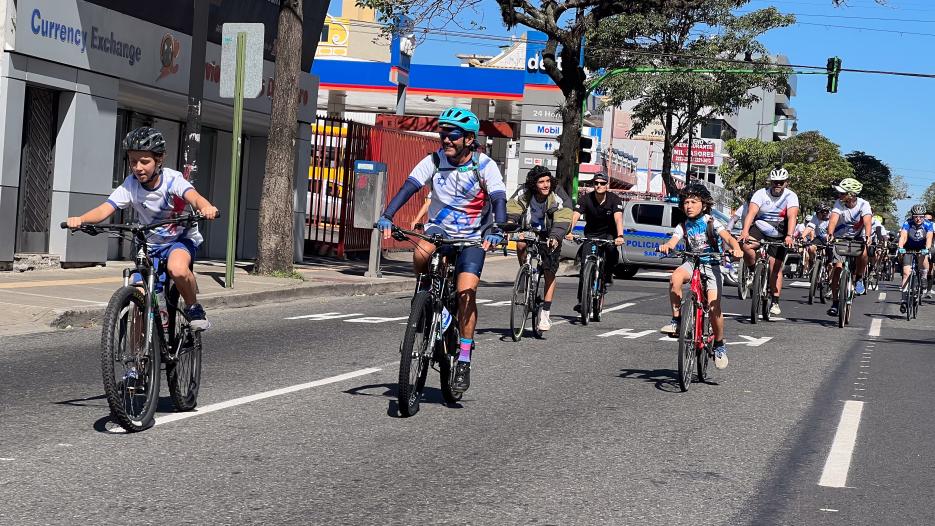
(885, 116)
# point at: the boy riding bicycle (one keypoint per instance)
(701, 232)
(157, 193)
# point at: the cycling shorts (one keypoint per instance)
(774, 251)
(907, 259)
(469, 259)
(709, 274)
(161, 253)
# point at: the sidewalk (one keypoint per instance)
(60, 298)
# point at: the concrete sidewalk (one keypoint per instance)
(61, 298)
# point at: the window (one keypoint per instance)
(647, 214)
(717, 129)
(677, 217)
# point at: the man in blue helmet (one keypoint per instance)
(466, 187)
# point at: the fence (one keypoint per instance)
(336, 144)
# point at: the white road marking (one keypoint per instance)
(735, 315)
(882, 297)
(7, 459)
(375, 319)
(875, 327)
(751, 341)
(482, 301)
(654, 274)
(261, 396)
(325, 316)
(53, 297)
(500, 303)
(838, 462)
(828, 509)
(800, 284)
(618, 307)
(627, 333)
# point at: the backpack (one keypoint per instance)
(475, 160)
(713, 240)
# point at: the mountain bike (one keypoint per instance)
(871, 276)
(849, 249)
(696, 337)
(130, 361)
(819, 275)
(912, 292)
(593, 287)
(432, 331)
(527, 288)
(744, 280)
(759, 288)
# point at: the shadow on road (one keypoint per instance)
(664, 379)
(430, 395)
(81, 402)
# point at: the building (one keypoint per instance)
(75, 76)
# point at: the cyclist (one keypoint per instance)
(737, 217)
(543, 207)
(603, 211)
(771, 216)
(850, 219)
(466, 186)
(915, 234)
(817, 227)
(700, 231)
(157, 193)
(879, 236)
(928, 292)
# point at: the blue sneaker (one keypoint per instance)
(130, 374)
(720, 357)
(859, 287)
(196, 317)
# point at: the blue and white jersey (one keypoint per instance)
(697, 236)
(773, 211)
(460, 194)
(916, 234)
(820, 227)
(850, 219)
(163, 202)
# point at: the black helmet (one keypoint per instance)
(823, 207)
(917, 210)
(696, 190)
(537, 172)
(145, 139)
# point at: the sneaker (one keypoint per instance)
(131, 374)
(774, 308)
(720, 357)
(859, 288)
(462, 378)
(578, 308)
(671, 328)
(196, 317)
(833, 311)
(544, 322)
(903, 307)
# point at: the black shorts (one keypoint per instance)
(549, 257)
(774, 251)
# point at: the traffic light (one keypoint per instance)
(834, 69)
(585, 149)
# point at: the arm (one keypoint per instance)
(832, 224)
(903, 235)
(752, 211)
(199, 203)
(618, 219)
(732, 243)
(928, 241)
(670, 244)
(421, 214)
(93, 216)
(575, 216)
(560, 221)
(868, 226)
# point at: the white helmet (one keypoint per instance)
(779, 174)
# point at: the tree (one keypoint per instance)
(275, 244)
(747, 161)
(928, 197)
(669, 38)
(881, 188)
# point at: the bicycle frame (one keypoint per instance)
(702, 309)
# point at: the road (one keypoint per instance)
(584, 427)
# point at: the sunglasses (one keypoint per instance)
(918, 217)
(600, 183)
(452, 134)
(777, 183)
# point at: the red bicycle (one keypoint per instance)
(696, 338)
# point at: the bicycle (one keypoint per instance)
(744, 281)
(850, 249)
(593, 287)
(759, 288)
(819, 278)
(912, 292)
(130, 364)
(696, 337)
(431, 339)
(527, 288)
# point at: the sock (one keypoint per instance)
(546, 305)
(677, 320)
(718, 343)
(466, 344)
(776, 300)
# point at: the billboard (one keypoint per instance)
(702, 153)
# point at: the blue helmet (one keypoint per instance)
(461, 118)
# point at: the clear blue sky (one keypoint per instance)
(886, 116)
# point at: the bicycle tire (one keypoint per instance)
(413, 366)
(843, 287)
(813, 278)
(537, 308)
(587, 273)
(597, 295)
(519, 307)
(126, 408)
(704, 352)
(687, 347)
(183, 372)
(743, 275)
(767, 301)
(446, 359)
(756, 290)
(823, 285)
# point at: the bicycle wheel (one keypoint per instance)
(519, 309)
(537, 308)
(447, 357)
(756, 291)
(597, 295)
(705, 351)
(814, 276)
(413, 354)
(587, 291)
(130, 367)
(765, 293)
(743, 280)
(907, 296)
(687, 347)
(844, 284)
(182, 357)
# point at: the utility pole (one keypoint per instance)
(196, 82)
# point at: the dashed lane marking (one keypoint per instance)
(618, 307)
(882, 297)
(875, 327)
(324, 316)
(838, 463)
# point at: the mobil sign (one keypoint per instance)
(542, 129)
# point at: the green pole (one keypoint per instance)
(236, 145)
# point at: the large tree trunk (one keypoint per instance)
(275, 247)
(567, 168)
(667, 180)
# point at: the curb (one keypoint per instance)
(84, 317)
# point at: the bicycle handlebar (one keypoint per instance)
(595, 240)
(94, 229)
(435, 239)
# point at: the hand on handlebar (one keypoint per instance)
(618, 241)
(737, 253)
(209, 212)
(73, 222)
(386, 226)
(492, 239)
(665, 249)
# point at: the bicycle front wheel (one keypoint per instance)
(447, 360)
(519, 307)
(756, 293)
(183, 357)
(597, 294)
(687, 344)
(814, 276)
(705, 351)
(587, 291)
(743, 280)
(844, 288)
(129, 366)
(414, 353)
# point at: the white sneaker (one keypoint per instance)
(775, 310)
(544, 322)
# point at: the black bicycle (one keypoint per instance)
(527, 288)
(760, 298)
(912, 292)
(130, 362)
(593, 287)
(849, 250)
(819, 277)
(432, 331)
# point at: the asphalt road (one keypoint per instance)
(584, 427)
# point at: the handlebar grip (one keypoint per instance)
(63, 225)
(218, 216)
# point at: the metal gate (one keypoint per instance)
(36, 168)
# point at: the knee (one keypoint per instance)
(177, 269)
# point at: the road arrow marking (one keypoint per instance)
(751, 341)
(627, 333)
(375, 319)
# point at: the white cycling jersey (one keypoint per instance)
(773, 210)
